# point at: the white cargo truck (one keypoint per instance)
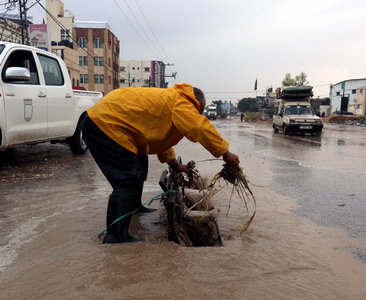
(293, 112)
(212, 112)
(37, 102)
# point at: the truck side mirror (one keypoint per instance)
(17, 74)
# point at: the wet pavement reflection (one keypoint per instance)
(307, 240)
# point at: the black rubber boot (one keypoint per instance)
(119, 206)
(142, 208)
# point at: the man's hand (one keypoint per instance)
(181, 168)
(178, 167)
(231, 158)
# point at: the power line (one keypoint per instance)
(152, 32)
(245, 92)
(87, 50)
(143, 30)
(133, 27)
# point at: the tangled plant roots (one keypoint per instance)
(231, 174)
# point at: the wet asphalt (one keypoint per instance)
(325, 174)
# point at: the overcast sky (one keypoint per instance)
(223, 46)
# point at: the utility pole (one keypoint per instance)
(174, 74)
(23, 21)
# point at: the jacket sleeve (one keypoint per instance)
(166, 155)
(197, 128)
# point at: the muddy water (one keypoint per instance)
(53, 207)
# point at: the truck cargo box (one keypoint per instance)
(295, 92)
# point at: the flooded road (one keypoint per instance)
(307, 240)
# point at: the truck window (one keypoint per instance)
(51, 70)
(24, 59)
(299, 110)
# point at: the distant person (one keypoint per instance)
(130, 123)
(241, 117)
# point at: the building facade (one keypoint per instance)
(89, 49)
(343, 95)
(98, 54)
(10, 31)
(359, 105)
(61, 37)
(142, 73)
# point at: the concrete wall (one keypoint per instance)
(350, 91)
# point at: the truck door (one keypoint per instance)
(25, 101)
(60, 97)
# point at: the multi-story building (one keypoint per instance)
(359, 105)
(344, 94)
(142, 73)
(10, 31)
(89, 49)
(61, 35)
(98, 55)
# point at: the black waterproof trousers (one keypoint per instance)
(125, 171)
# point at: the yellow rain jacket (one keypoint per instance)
(153, 120)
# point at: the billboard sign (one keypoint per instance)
(38, 36)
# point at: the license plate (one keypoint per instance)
(306, 127)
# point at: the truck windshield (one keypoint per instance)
(299, 110)
(2, 48)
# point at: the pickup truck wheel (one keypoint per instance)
(285, 130)
(76, 142)
(275, 129)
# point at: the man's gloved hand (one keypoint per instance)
(231, 158)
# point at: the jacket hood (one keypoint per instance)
(187, 92)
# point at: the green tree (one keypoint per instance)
(299, 80)
(247, 104)
(218, 106)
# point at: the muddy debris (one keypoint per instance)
(192, 218)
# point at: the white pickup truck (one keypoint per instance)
(37, 102)
(293, 112)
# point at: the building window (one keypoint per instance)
(98, 78)
(65, 35)
(109, 79)
(353, 91)
(109, 62)
(84, 78)
(122, 81)
(82, 42)
(147, 69)
(338, 93)
(133, 68)
(122, 69)
(99, 61)
(98, 43)
(361, 91)
(83, 60)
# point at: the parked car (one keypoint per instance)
(342, 112)
(265, 117)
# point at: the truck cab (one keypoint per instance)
(212, 112)
(293, 112)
